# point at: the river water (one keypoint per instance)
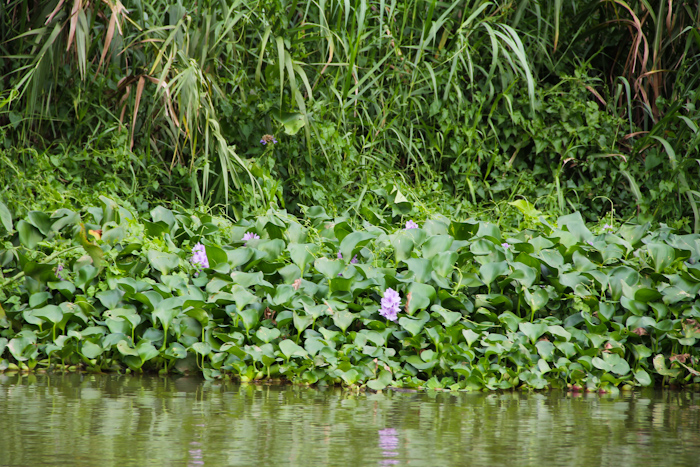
(102, 420)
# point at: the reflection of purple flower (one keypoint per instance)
(199, 257)
(391, 304)
(59, 268)
(411, 225)
(389, 443)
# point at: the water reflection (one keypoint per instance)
(141, 420)
(389, 443)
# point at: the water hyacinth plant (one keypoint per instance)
(411, 225)
(558, 314)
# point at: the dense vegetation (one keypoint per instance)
(501, 128)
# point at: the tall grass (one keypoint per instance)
(456, 91)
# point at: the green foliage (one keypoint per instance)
(561, 304)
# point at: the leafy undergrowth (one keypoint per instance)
(560, 305)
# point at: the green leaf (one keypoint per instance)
(162, 261)
(662, 369)
(642, 377)
(353, 242)
(250, 317)
(329, 268)
(662, 255)
(443, 263)
(110, 298)
(290, 349)
(91, 350)
(449, 318)
(350, 377)
(533, 331)
(176, 350)
(382, 381)
(536, 300)
(161, 214)
(545, 349)
(414, 325)
(527, 208)
(510, 321)
(470, 336)
(239, 256)
(420, 268)
(436, 244)
(146, 350)
(124, 349)
(216, 256)
(403, 246)
(202, 348)
(343, 319)
(5, 217)
(618, 275)
(66, 288)
(167, 310)
(267, 334)
(574, 223)
(50, 313)
(301, 254)
(490, 271)
(242, 296)
(29, 236)
(85, 275)
(41, 221)
(421, 296)
(302, 322)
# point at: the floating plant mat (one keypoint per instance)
(435, 304)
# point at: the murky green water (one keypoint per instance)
(114, 420)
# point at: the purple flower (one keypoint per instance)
(199, 257)
(505, 246)
(608, 227)
(352, 261)
(59, 268)
(391, 304)
(589, 242)
(411, 225)
(250, 236)
(268, 139)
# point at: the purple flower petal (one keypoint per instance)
(391, 304)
